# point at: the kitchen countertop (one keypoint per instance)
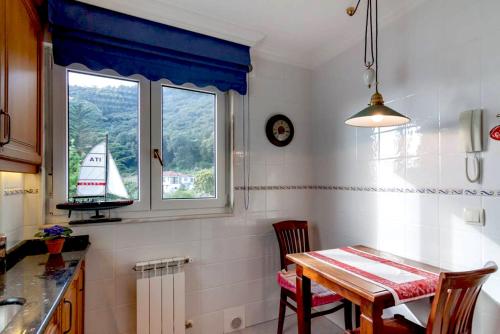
(42, 280)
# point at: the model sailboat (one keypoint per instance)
(98, 179)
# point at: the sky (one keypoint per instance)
(87, 80)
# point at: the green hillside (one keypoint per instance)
(187, 125)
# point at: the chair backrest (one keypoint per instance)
(292, 238)
(455, 300)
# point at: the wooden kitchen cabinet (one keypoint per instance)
(80, 300)
(54, 326)
(69, 309)
(21, 38)
(69, 315)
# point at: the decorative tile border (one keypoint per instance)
(19, 191)
(427, 191)
(277, 187)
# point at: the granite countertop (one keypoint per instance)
(41, 279)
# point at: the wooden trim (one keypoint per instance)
(17, 167)
(3, 61)
(32, 12)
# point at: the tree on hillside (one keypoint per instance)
(204, 182)
(85, 119)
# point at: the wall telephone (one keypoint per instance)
(471, 132)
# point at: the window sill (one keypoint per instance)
(148, 217)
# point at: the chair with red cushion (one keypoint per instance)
(453, 306)
(293, 237)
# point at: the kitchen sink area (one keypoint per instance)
(9, 307)
(36, 282)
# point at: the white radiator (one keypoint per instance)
(161, 296)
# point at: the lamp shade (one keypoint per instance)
(377, 115)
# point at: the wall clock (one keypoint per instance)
(279, 130)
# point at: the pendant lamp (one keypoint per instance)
(376, 114)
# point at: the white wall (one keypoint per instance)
(20, 213)
(235, 258)
(438, 60)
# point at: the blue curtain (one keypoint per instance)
(103, 39)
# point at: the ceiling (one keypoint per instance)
(301, 32)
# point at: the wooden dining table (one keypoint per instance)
(370, 297)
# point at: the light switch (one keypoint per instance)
(474, 216)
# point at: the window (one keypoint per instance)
(191, 135)
(188, 142)
(113, 124)
(103, 115)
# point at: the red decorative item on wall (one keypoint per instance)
(495, 133)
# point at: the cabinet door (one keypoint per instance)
(3, 68)
(69, 310)
(80, 302)
(54, 326)
(22, 67)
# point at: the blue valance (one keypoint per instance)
(103, 39)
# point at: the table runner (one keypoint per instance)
(405, 282)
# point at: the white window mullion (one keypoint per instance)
(156, 144)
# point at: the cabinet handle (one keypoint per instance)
(6, 117)
(156, 155)
(70, 315)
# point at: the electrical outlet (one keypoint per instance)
(474, 216)
(234, 319)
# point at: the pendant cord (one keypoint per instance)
(369, 26)
(356, 8)
(246, 147)
(373, 50)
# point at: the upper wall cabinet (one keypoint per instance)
(20, 86)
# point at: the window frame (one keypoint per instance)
(204, 204)
(150, 203)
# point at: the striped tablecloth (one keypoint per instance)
(406, 283)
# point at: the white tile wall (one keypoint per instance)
(235, 258)
(20, 214)
(436, 61)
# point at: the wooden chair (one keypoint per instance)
(293, 237)
(453, 306)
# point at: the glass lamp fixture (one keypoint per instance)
(376, 115)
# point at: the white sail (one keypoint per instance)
(92, 179)
(115, 182)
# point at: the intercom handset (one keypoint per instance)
(471, 132)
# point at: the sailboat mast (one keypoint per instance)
(106, 171)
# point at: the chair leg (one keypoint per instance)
(282, 311)
(357, 315)
(348, 315)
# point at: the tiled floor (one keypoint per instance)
(320, 325)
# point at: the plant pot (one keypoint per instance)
(55, 246)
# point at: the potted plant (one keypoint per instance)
(54, 237)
